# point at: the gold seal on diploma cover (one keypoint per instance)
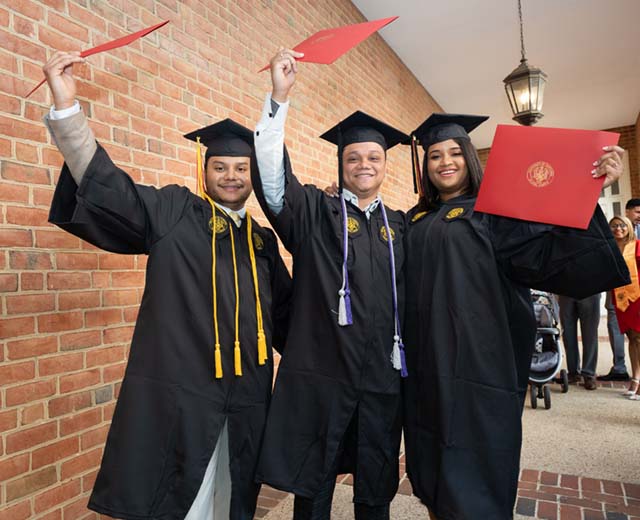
(540, 174)
(258, 243)
(221, 224)
(383, 234)
(353, 226)
(454, 213)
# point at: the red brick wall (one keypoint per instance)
(68, 309)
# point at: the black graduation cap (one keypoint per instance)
(435, 129)
(225, 139)
(362, 128)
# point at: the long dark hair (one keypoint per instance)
(474, 167)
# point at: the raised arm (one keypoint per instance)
(269, 136)
(66, 121)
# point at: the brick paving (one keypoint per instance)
(541, 494)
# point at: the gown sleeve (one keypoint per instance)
(301, 210)
(281, 299)
(561, 260)
(113, 213)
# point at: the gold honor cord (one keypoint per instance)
(262, 344)
(262, 341)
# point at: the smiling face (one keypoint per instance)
(619, 229)
(229, 181)
(447, 169)
(364, 166)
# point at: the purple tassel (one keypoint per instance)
(403, 362)
(347, 305)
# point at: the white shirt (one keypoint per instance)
(269, 145)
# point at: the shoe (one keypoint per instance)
(573, 379)
(634, 397)
(633, 388)
(614, 376)
(590, 383)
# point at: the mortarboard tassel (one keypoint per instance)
(397, 354)
(415, 164)
(344, 303)
(262, 341)
(217, 357)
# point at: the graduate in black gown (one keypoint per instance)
(336, 404)
(469, 327)
(189, 419)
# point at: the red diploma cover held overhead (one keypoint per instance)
(543, 174)
(114, 44)
(328, 45)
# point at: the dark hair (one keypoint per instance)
(632, 203)
(474, 167)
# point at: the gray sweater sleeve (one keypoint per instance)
(75, 140)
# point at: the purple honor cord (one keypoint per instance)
(344, 304)
(398, 355)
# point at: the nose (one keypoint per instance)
(230, 174)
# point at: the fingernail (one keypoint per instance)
(593, 172)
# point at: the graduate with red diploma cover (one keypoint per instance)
(184, 439)
(469, 328)
(336, 405)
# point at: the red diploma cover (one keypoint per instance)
(543, 174)
(114, 44)
(328, 45)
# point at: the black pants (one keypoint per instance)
(319, 507)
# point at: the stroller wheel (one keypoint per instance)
(547, 397)
(533, 391)
(564, 381)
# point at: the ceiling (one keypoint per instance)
(461, 50)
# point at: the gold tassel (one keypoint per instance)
(262, 348)
(237, 358)
(218, 362)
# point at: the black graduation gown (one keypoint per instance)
(330, 374)
(469, 336)
(171, 408)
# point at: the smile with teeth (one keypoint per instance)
(447, 172)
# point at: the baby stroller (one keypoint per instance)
(547, 356)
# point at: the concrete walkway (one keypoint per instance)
(580, 460)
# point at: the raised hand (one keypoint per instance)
(58, 72)
(283, 73)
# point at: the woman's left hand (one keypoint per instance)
(609, 164)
